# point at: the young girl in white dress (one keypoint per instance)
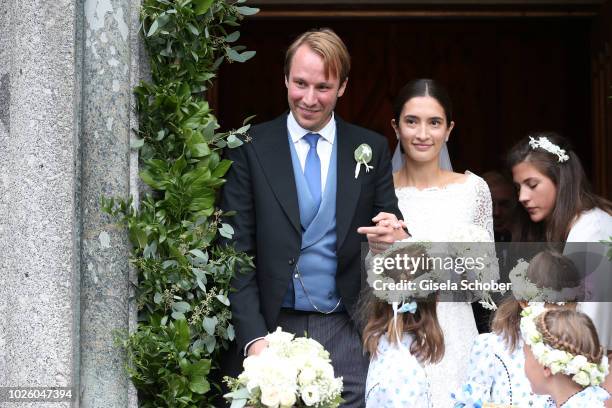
(563, 357)
(401, 337)
(435, 204)
(561, 207)
(496, 370)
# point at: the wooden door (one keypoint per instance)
(509, 72)
(601, 65)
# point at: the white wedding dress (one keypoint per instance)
(434, 212)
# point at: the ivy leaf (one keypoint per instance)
(209, 324)
(240, 57)
(202, 6)
(201, 256)
(223, 299)
(181, 307)
(222, 168)
(178, 316)
(159, 22)
(247, 120)
(168, 263)
(210, 343)
(157, 299)
(137, 143)
(247, 11)
(193, 29)
(233, 37)
(182, 339)
(199, 150)
(239, 403)
(226, 231)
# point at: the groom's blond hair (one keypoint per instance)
(326, 43)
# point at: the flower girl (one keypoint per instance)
(401, 334)
(563, 357)
(496, 367)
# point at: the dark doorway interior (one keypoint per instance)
(506, 76)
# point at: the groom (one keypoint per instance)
(299, 201)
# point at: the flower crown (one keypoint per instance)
(524, 289)
(582, 371)
(550, 147)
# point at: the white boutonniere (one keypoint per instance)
(363, 155)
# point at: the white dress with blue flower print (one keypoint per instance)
(496, 375)
(591, 397)
(395, 377)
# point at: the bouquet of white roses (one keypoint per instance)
(290, 372)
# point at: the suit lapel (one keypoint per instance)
(348, 188)
(275, 159)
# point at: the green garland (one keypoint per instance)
(183, 276)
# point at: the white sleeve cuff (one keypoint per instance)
(246, 348)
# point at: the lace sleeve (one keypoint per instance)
(483, 213)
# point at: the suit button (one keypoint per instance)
(291, 261)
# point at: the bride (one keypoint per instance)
(435, 202)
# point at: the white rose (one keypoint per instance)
(270, 396)
(596, 375)
(582, 378)
(576, 364)
(555, 367)
(307, 376)
(310, 395)
(287, 398)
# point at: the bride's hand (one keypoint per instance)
(387, 230)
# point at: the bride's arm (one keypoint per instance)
(483, 215)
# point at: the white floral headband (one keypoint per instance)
(582, 371)
(524, 289)
(550, 147)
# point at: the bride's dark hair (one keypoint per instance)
(423, 87)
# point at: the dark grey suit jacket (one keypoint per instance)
(261, 188)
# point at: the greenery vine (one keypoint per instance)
(183, 275)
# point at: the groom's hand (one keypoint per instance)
(387, 230)
(257, 347)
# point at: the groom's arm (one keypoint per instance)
(385, 199)
(237, 195)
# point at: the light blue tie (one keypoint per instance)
(312, 169)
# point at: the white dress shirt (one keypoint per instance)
(324, 146)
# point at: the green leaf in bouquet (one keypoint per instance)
(178, 316)
(247, 11)
(202, 6)
(209, 324)
(223, 299)
(226, 231)
(201, 256)
(181, 307)
(210, 342)
(222, 168)
(233, 37)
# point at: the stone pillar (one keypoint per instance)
(109, 72)
(39, 189)
(67, 69)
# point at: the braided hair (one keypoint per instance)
(570, 331)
